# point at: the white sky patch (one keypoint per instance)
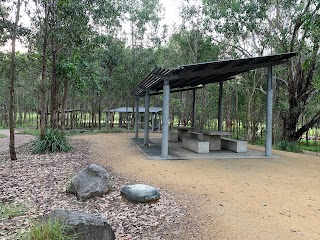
(171, 12)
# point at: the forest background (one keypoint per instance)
(84, 57)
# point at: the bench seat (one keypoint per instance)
(195, 145)
(234, 145)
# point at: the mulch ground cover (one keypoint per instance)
(38, 184)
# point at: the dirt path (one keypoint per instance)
(20, 139)
(228, 199)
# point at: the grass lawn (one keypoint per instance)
(313, 146)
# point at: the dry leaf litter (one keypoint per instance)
(38, 184)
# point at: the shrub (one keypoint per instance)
(50, 230)
(52, 141)
(288, 146)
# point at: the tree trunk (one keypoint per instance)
(237, 112)
(54, 91)
(54, 81)
(44, 74)
(248, 114)
(63, 104)
(99, 111)
(12, 150)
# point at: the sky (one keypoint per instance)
(171, 11)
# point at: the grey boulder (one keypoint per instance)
(83, 225)
(140, 193)
(91, 181)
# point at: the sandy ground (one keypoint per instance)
(229, 198)
(20, 139)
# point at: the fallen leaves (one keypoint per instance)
(39, 182)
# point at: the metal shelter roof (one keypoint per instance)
(186, 77)
(141, 110)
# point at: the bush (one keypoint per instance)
(50, 230)
(288, 146)
(52, 141)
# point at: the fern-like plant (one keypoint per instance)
(54, 140)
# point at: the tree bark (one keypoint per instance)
(63, 104)
(44, 73)
(13, 76)
(54, 81)
(301, 91)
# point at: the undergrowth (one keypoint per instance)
(52, 141)
(49, 230)
(10, 210)
(288, 146)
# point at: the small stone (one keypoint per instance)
(140, 193)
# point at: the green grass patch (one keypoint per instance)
(50, 230)
(3, 136)
(313, 145)
(53, 141)
(10, 210)
(288, 146)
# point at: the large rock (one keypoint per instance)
(84, 225)
(140, 193)
(91, 181)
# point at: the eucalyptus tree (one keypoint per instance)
(4, 83)
(297, 27)
(143, 19)
(64, 27)
(277, 26)
(13, 75)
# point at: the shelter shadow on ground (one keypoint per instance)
(152, 151)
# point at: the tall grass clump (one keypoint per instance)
(288, 146)
(54, 140)
(50, 230)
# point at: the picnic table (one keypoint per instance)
(183, 131)
(214, 138)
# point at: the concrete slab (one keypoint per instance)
(234, 145)
(196, 145)
(152, 151)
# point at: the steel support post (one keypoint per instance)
(136, 123)
(268, 147)
(193, 108)
(165, 120)
(220, 111)
(152, 122)
(146, 118)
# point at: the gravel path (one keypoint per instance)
(20, 139)
(227, 198)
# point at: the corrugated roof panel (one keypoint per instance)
(204, 73)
